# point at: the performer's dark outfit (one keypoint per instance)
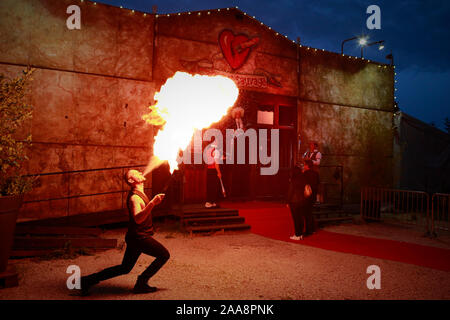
(301, 207)
(213, 186)
(316, 157)
(139, 240)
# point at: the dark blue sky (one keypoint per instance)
(416, 31)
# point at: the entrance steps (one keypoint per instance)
(197, 218)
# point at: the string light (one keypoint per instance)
(244, 13)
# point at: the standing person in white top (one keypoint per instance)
(315, 156)
(213, 175)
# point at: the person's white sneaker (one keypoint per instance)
(208, 205)
(213, 204)
(296, 238)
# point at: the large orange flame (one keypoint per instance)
(187, 103)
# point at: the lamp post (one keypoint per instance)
(361, 40)
(380, 47)
(346, 40)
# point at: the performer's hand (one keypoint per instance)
(308, 191)
(158, 199)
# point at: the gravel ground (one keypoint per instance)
(411, 234)
(238, 266)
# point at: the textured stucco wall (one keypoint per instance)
(347, 107)
(191, 43)
(92, 86)
(90, 89)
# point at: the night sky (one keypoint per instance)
(416, 32)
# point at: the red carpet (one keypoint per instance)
(273, 220)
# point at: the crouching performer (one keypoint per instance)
(138, 238)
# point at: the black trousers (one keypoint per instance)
(303, 218)
(213, 187)
(134, 249)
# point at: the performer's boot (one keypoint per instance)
(86, 283)
(141, 286)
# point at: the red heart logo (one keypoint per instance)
(235, 49)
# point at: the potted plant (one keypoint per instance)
(13, 184)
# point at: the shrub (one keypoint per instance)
(14, 111)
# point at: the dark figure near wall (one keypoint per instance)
(138, 238)
(302, 191)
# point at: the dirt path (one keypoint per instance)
(235, 266)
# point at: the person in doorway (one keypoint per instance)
(138, 238)
(311, 178)
(315, 156)
(237, 113)
(302, 188)
(213, 176)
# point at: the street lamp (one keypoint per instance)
(361, 40)
(380, 47)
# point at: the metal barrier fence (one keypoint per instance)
(440, 212)
(331, 188)
(396, 206)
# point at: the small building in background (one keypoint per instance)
(422, 156)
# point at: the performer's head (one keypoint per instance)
(313, 145)
(134, 178)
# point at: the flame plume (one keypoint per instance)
(187, 103)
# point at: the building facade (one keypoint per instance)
(92, 86)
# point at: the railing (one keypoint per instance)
(332, 184)
(70, 194)
(397, 206)
(440, 212)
